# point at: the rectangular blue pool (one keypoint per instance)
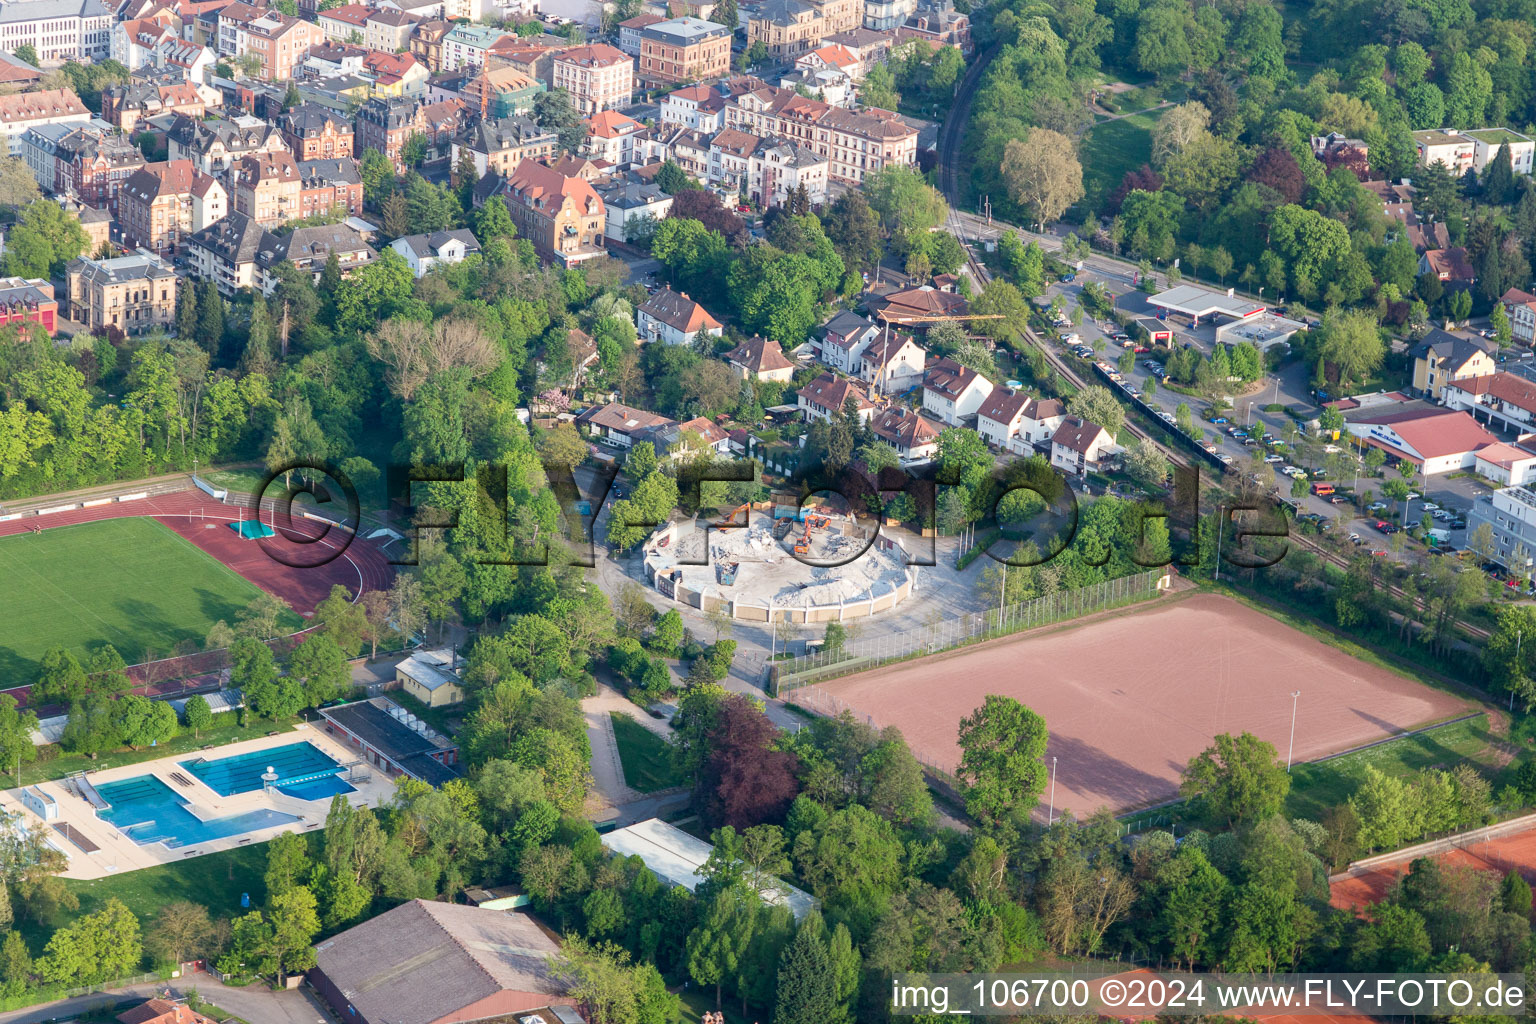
(303, 770)
(148, 811)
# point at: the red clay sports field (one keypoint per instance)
(1130, 698)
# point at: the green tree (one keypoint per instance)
(42, 241)
(807, 988)
(143, 722)
(197, 715)
(27, 54)
(321, 668)
(16, 729)
(1238, 778)
(1002, 748)
(95, 948)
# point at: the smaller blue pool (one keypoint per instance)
(303, 770)
(148, 811)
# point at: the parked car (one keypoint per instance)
(1376, 506)
(1226, 460)
(1354, 538)
(1272, 459)
(1430, 506)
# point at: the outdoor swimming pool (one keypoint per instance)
(148, 811)
(303, 770)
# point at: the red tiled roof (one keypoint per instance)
(1506, 387)
(1435, 433)
(829, 392)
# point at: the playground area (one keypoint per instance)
(1130, 698)
(160, 812)
(763, 565)
(147, 574)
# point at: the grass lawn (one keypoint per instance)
(1319, 785)
(1111, 149)
(130, 582)
(643, 754)
(215, 880)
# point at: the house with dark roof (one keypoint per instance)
(423, 252)
(843, 339)
(1435, 440)
(674, 318)
(909, 303)
(952, 392)
(1080, 445)
(426, 962)
(393, 740)
(1443, 357)
(824, 398)
(311, 248)
(760, 358)
(225, 253)
(913, 435)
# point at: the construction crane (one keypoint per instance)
(889, 319)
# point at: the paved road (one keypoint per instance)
(254, 1003)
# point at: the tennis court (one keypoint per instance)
(131, 582)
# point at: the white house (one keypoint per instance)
(1435, 440)
(844, 339)
(23, 110)
(423, 252)
(890, 363)
(1513, 465)
(1079, 445)
(620, 423)
(674, 318)
(630, 206)
(952, 392)
(824, 397)
(913, 435)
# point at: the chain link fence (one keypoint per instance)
(792, 674)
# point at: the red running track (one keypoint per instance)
(362, 567)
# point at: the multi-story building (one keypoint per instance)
(314, 132)
(266, 188)
(672, 317)
(1506, 400)
(952, 392)
(684, 50)
(127, 104)
(28, 300)
(501, 144)
(629, 31)
(281, 42)
(21, 111)
(1080, 445)
(855, 143)
(58, 29)
(468, 44)
(327, 185)
(135, 42)
(633, 208)
(939, 25)
(782, 169)
(500, 92)
(426, 43)
(1454, 149)
(387, 124)
(562, 216)
(164, 203)
(92, 166)
(130, 295)
(1510, 513)
(598, 77)
(345, 24)
(1520, 307)
(213, 145)
(792, 27)
(39, 147)
(389, 30)
(887, 15)
(614, 137)
(233, 19)
(1487, 142)
(395, 74)
(225, 253)
(309, 249)
(423, 252)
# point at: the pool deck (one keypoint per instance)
(116, 852)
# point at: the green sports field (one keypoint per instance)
(131, 582)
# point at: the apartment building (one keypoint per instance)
(28, 300)
(163, 204)
(499, 145)
(129, 103)
(1510, 513)
(468, 44)
(855, 143)
(684, 50)
(672, 317)
(92, 166)
(226, 251)
(133, 43)
(389, 30)
(326, 185)
(426, 42)
(131, 294)
(387, 124)
(501, 92)
(1462, 150)
(266, 188)
(58, 29)
(314, 132)
(213, 145)
(1520, 306)
(281, 42)
(629, 31)
(561, 215)
(21, 111)
(598, 77)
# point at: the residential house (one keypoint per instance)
(1505, 400)
(423, 252)
(825, 396)
(134, 42)
(26, 300)
(855, 143)
(1015, 422)
(388, 124)
(783, 169)
(1520, 307)
(281, 42)
(1448, 265)
(23, 110)
(1397, 203)
(1443, 357)
(500, 92)
(761, 359)
(674, 318)
(597, 77)
(267, 188)
(831, 57)
(189, 62)
(938, 24)
(952, 392)
(389, 30)
(618, 423)
(499, 145)
(561, 215)
(58, 30)
(891, 363)
(326, 185)
(431, 677)
(426, 962)
(1336, 149)
(613, 137)
(347, 23)
(885, 16)
(162, 1011)
(395, 74)
(869, 45)
(213, 145)
(1433, 440)
(630, 29)
(843, 340)
(789, 28)
(583, 352)
(92, 165)
(128, 104)
(633, 207)
(917, 303)
(226, 253)
(314, 132)
(699, 107)
(130, 295)
(1079, 445)
(684, 50)
(426, 43)
(310, 249)
(468, 44)
(162, 204)
(913, 435)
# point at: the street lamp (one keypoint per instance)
(1052, 819)
(1295, 695)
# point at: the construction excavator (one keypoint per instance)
(730, 521)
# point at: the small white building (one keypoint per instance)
(674, 318)
(891, 363)
(1080, 445)
(824, 398)
(1513, 465)
(1015, 422)
(952, 392)
(844, 339)
(423, 252)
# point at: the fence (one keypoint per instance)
(792, 674)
